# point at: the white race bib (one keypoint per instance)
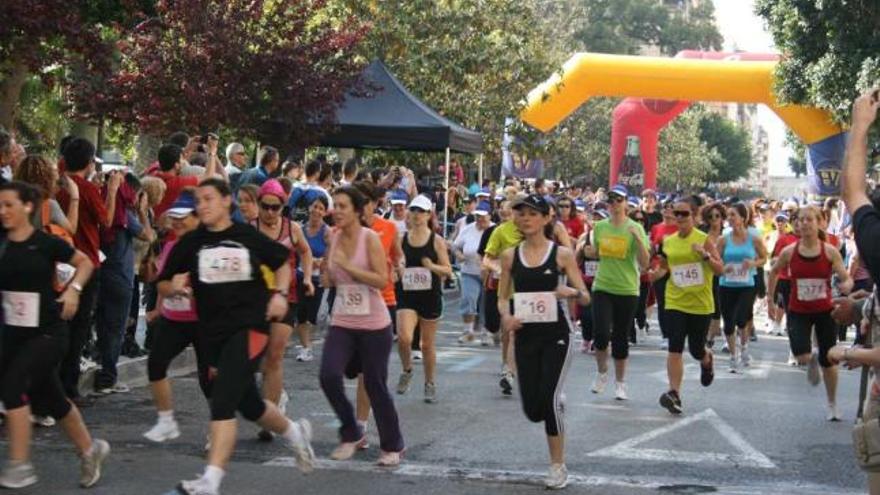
(535, 307)
(352, 300)
(688, 275)
(737, 273)
(177, 304)
(21, 309)
(416, 278)
(591, 267)
(224, 264)
(812, 289)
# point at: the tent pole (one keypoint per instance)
(446, 194)
(480, 173)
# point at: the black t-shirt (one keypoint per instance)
(481, 250)
(226, 274)
(27, 274)
(652, 219)
(866, 226)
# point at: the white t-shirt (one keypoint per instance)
(468, 241)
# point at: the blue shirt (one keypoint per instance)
(120, 251)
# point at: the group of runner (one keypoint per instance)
(530, 270)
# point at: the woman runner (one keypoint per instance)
(421, 300)
(539, 319)
(621, 246)
(360, 329)
(689, 258)
(317, 233)
(713, 225)
(742, 251)
(219, 265)
(274, 225)
(34, 337)
(811, 262)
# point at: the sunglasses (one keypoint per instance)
(417, 210)
(715, 216)
(271, 207)
(616, 199)
(681, 213)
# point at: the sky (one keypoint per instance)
(743, 30)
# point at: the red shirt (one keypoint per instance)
(783, 241)
(92, 215)
(810, 283)
(574, 226)
(174, 184)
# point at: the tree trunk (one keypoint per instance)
(10, 94)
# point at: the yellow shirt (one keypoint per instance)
(689, 288)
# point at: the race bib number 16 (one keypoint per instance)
(224, 264)
(535, 307)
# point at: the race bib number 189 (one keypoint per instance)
(688, 275)
(416, 278)
(535, 307)
(21, 309)
(352, 300)
(224, 264)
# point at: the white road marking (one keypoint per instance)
(746, 456)
(467, 364)
(654, 483)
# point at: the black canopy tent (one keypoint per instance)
(387, 116)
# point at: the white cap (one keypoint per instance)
(789, 205)
(422, 202)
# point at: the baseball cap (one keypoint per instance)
(789, 205)
(483, 208)
(633, 202)
(483, 193)
(649, 192)
(601, 213)
(580, 205)
(422, 203)
(533, 201)
(619, 190)
(273, 188)
(183, 206)
(782, 216)
(398, 197)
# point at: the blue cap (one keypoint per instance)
(499, 197)
(183, 206)
(580, 205)
(633, 201)
(601, 213)
(619, 190)
(782, 216)
(484, 192)
(399, 197)
(483, 208)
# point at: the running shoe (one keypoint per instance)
(744, 357)
(707, 373)
(302, 446)
(671, 401)
(198, 486)
(753, 337)
(265, 436)
(91, 463)
(664, 346)
(599, 383)
(389, 459)
(403, 382)
(430, 393)
(710, 343)
(466, 337)
(162, 431)
(346, 450)
(620, 391)
(833, 413)
(116, 388)
(733, 364)
(43, 421)
(305, 355)
(417, 355)
(557, 478)
(791, 359)
(506, 383)
(813, 376)
(725, 349)
(18, 475)
(485, 339)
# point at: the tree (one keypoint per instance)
(278, 68)
(732, 144)
(685, 161)
(831, 50)
(797, 162)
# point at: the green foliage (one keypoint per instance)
(732, 144)
(797, 162)
(685, 161)
(831, 50)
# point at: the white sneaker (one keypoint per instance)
(162, 431)
(198, 486)
(485, 339)
(733, 364)
(744, 358)
(791, 359)
(91, 463)
(44, 421)
(417, 355)
(18, 475)
(466, 337)
(833, 413)
(302, 446)
(557, 478)
(600, 382)
(620, 391)
(86, 364)
(305, 355)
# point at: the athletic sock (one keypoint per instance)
(166, 416)
(292, 434)
(214, 475)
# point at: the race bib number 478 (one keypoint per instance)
(224, 264)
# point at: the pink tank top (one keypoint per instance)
(357, 306)
(181, 309)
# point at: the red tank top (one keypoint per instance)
(285, 237)
(810, 282)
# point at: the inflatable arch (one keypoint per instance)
(667, 87)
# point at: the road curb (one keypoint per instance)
(133, 372)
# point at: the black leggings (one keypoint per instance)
(29, 372)
(660, 294)
(231, 365)
(613, 318)
(172, 338)
(800, 333)
(491, 317)
(691, 327)
(586, 319)
(736, 307)
(542, 359)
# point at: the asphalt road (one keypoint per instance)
(762, 432)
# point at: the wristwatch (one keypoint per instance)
(75, 286)
(282, 293)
